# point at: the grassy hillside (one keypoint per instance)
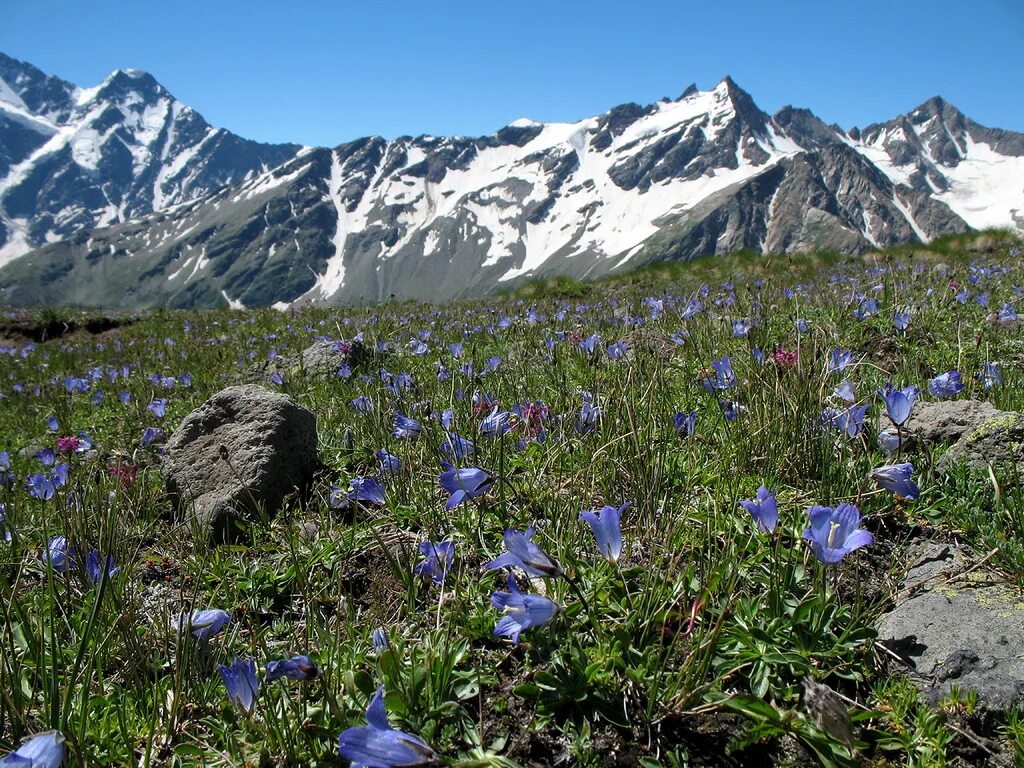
(689, 646)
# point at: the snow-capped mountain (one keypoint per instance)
(438, 217)
(75, 158)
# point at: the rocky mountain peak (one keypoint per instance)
(31, 89)
(806, 128)
(151, 206)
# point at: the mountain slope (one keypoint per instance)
(441, 217)
(976, 171)
(73, 158)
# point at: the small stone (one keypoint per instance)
(325, 358)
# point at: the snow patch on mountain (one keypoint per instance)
(8, 96)
(986, 188)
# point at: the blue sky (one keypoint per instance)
(327, 72)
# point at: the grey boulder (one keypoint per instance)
(244, 449)
(996, 442)
(944, 421)
(324, 358)
(956, 627)
(321, 359)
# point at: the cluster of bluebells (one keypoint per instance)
(241, 678)
(831, 532)
(62, 558)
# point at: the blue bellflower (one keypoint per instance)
(389, 463)
(946, 384)
(896, 478)
(6, 476)
(606, 525)
(438, 560)
(242, 684)
(295, 668)
(845, 391)
(6, 531)
(898, 402)
(724, 377)
(835, 533)
(363, 404)
(457, 447)
(849, 421)
(464, 483)
(588, 344)
(588, 417)
(59, 554)
(617, 350)
(44, 485)
(523, 553)
(741, 327)
(764, 509)
(731, 409)
(368, 490)
(521, 611)
(378, 745)
(202, 624)
(98, 567)
(405, 427)
(839, 359)
(685, 423)
(990, 376)
(497, 423)
(379, 640)
(43, 751)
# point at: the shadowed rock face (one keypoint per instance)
(203, 218)
(245, 449)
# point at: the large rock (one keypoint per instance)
(945, 421)
(244, 448)
(997, 441)
(957, 627)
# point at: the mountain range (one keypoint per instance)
(122, 196)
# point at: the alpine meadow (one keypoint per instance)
(682, 433)
(619, 523)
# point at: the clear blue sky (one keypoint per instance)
(327, 72)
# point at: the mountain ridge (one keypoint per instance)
(88, 157)
(431, 217)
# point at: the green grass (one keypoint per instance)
(696, 643)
